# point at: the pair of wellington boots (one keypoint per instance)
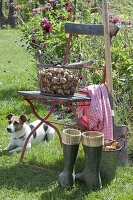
(92, 142)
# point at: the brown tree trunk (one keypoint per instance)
(2, 17)
(11, 20)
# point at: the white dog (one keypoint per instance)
(20, 130)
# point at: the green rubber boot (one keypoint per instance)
(93, 146)
(71, 139)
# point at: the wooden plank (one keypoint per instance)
(85, 29)
(77, 65)
(90, 29)
(107, 39)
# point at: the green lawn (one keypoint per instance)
(39, 180)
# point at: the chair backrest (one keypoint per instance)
(87, 29)
(90, 29)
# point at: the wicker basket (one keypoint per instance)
(109, 165)
(58, 81)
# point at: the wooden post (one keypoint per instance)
(107, 39)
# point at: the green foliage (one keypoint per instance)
(122, 64)
(55, 40)
(122, 51)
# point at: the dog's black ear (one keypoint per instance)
(9, 116)
(23, 118)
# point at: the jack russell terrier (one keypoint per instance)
(20, 130)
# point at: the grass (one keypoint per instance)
(37, 177)
(122, 8)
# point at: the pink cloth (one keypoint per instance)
(98, 115)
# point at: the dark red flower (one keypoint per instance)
(114, 20)
(81, 77)
(44, 21)
(46, 25)
(69, 7)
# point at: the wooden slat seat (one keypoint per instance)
(67, 98)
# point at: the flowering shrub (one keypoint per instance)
(46, 26)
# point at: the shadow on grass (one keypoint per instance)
(75, 193)
(58, 165)
(9, 94)
(12, 95)
(25, 177)
(35, 177)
